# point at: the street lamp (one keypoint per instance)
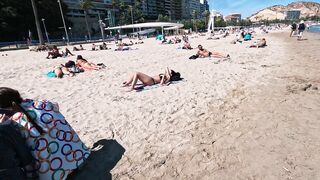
(64, 23)
(101, 24)
(131, 18)
(35, 12)
(45, 29)
(70, 29)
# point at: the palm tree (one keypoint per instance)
(206, 15)
(85, 5)
(35, 11)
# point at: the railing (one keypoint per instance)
(14, 45)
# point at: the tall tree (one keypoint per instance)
(16, 18)
(85, 5)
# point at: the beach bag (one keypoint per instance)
(194, 57)
(58, 151)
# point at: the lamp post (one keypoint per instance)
(64, 23)
(35, 12)
(45, 29)
(101, 27)
(131, 18)
(70, 29)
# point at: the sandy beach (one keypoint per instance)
(256, 116)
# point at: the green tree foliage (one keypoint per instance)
(162, 18)
(123, 12)
(16, 18)
(85, 5)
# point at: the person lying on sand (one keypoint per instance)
(259, 44)
(78, 49)
(203, 53)
(125, 44)
(85, 65)
(60, 71)
(54, 53)
(162, 79)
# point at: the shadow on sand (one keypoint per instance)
(104, 156)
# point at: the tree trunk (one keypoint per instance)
(86, 19)
(35, 12)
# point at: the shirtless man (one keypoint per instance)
(202, 53)
(54, 53)
(259, 44)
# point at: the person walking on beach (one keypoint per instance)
(301, 29)
(293, 29)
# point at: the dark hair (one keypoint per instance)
(79, 57)
(69, 64)
(10, 97)
(175, 76)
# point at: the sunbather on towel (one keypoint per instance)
(162, 79)
(85, 65)
(202, 53)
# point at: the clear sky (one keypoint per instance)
(246, 7)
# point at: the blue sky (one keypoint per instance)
(246, 7)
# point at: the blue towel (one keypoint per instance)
(51, 74)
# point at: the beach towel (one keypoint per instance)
(141, 87)
(59, 150)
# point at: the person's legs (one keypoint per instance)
(68, 52)
(49, 54)
(145, 79)
(218, 55)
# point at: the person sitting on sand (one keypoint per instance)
(259, 44)
(54, 53)
(186, 45)
(162, 79)
(103, 46)
(85, 65)
(93, 48)
(203, 53)
(14, 153)
(48, 136)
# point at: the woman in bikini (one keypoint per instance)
(85, 65)
(162, 79)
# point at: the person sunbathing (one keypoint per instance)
(203, 53)
(162, 79)
(61, 70)
(85, 65)
(54, 53)
(259, 44)
(78, 49)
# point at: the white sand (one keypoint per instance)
(241, 119)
